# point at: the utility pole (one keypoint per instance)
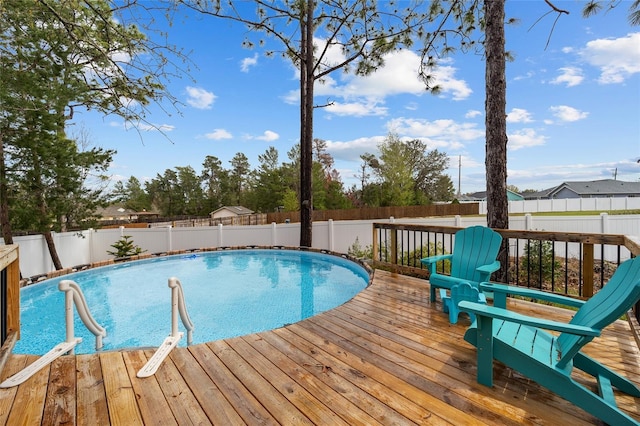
(459, 173)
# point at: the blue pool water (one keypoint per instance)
(227, 293)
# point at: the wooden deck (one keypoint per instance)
(386, 357)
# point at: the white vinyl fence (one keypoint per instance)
(570, 205)
(79, 248)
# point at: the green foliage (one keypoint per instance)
(407, 174)
(413, 258)
(538, 261)
(290, 201)
(125, 247)
(356, 250)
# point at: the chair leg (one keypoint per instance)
(596, 369)
(432, 293)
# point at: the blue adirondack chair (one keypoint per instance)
(460, 292)
(473, 259)
(520, 342)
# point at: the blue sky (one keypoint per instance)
(573, 106)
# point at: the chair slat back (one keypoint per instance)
(615, 298)
(473, 247)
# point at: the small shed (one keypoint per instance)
(230, 211)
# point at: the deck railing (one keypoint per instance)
(9, 299)
(573, 264)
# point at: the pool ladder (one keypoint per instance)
(73, 295)
(177, 307)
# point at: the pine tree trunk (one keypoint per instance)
(52, 250)
(496, 124)
(306, 127)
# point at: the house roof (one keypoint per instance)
(604, 187)
(118, 210)
(482, 196)
(238, 210)
(114, 210)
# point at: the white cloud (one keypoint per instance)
(519, 115)
(438, 134)
(617, 58)
(567, 113)
(247, 63)
(268, 136)
(333, 54)
(351, 150)
(445, 131)
(293, 97)
(218, 134)
(411, 106)
(200, 98)
(571, 76)
(155, 127)
(525, 138)
(356, 109)
(362, 96)
(144, 127)
(525, 76)
(473, 113)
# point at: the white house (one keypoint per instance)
(230, 211)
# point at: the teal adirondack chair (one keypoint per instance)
(520, 342)
(473, 259)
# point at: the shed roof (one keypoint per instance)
(238, 210)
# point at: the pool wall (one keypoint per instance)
(65, 271)
(280, 284)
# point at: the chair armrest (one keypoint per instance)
(437, 258)
(490, 268)
(432, 261)
(510, 316)
(534, 294)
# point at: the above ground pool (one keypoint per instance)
(227, 293)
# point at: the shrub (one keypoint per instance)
(432, 249)
(538, 261)
(125, 247)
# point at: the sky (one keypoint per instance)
(573, 104)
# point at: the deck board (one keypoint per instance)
(388, 356)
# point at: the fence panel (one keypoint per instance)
(194, 238)
(339, 236)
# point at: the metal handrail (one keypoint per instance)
(73, 295)
(178, 307)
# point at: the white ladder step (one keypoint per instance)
(44, 360)
(154, 362)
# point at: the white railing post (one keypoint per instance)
(220, 244)
(330, 230)
(604, 223)
(458, 221)
(274, 235)
(528, 222)
(169, 238)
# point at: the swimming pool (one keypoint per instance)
(228, 293)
